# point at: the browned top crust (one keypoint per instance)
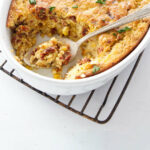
(11, 14)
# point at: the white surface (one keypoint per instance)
(29, 121)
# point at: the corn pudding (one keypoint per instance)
(74, 19)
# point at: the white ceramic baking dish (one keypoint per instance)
(61, 87)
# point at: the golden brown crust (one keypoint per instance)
(10, 14)
(123, 56)
(128, 52)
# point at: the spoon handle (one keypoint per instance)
(138, 14)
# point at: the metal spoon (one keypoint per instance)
(74, 46)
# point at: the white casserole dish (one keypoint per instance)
(61, 87)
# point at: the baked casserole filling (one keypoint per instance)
(74, 19)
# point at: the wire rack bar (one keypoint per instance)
(69, 105)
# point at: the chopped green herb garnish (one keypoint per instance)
(32, 2)
(101, 1)
(114, 34)
(51, 8)
(96, 69)
(124, 29)
(76, 6)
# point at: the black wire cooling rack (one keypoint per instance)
(69, 106)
